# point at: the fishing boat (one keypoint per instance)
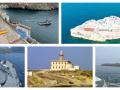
(47, 22)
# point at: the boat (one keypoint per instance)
(105, 84)
(100, 82)
(8, 74)
(97, 80)
(47, 22)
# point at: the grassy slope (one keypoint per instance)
(60, 78)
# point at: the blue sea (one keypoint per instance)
(43, 34)
(74, 14)
(18, 60)
(109, 74)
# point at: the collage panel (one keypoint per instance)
(90, 23)
(53, 66)
(29, 23)
(12, 67)
(107, 67)
(35, 56)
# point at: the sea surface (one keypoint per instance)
(74, 14)
(108, 73)
(18, 60)
(43, 34)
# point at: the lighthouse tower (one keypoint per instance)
(61, 56)
(62, 63)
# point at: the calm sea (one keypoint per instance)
(18, 60)
(108, 73)
(74, 14)
(43, 34)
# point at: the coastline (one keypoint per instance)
(17, 26)
(30, 6)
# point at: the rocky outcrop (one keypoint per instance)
(31, 6)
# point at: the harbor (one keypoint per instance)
(13, 33)
(29, 23)
(41, 33)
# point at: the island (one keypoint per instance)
(111, 64)
(100, 30)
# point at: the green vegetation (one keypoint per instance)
(62, 78)
(35, 82)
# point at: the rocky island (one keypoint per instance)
(100, 30)
(112, 64)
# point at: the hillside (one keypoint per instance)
(31, 6)
(60, 79)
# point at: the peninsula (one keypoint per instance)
(100, 30)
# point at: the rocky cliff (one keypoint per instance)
(31, 6)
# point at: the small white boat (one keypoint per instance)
(47, 22)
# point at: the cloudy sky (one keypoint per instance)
(107, 55)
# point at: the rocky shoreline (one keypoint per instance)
(31, 6)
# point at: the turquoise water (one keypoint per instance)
(43, 34)
(18, 60)
(74, 14)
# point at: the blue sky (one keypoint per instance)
(107, 55)
(40, 57)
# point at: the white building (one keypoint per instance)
(30, 73)
(62, 64)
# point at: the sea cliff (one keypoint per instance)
(31, 6)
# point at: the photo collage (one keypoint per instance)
(59, 44)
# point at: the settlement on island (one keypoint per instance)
(100, 30)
